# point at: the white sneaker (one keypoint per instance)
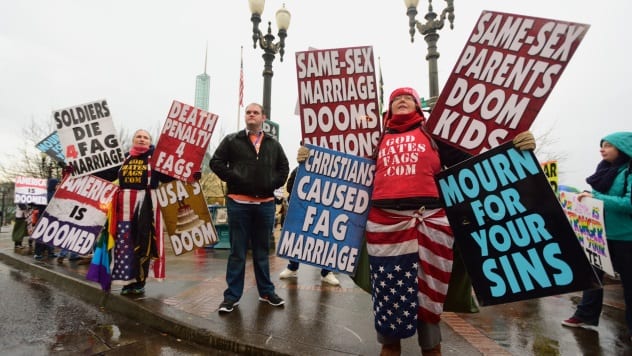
(330, 278)
(287, 273)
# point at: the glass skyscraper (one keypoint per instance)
(202, 88)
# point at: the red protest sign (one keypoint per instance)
(500, 82)
(183, 141)
(338, 99)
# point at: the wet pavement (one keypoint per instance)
(39, 319)
(319, 319)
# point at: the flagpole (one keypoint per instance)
(241, 88)
(381, 83)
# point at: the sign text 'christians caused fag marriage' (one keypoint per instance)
(328, 210)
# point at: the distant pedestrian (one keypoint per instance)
(612, 184)
(22, 213)
(61, 256)
(253, 165)
(41, 248)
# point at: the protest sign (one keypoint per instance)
(88, 138)
(30, 190)
(517, 243)
(272, 128)
(504, 75)
(338, 101)
(550, 171)
(587, 219)
(52, 147)
(76, 215)
(186, 216)
(328, 210)
(183, 141)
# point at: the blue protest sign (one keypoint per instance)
(328, 210)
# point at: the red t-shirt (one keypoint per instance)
(406, 166)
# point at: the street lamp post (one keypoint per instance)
(46, 166)
(266, 43)
(429, 30)
(3, 190)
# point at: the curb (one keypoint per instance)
(130, 308)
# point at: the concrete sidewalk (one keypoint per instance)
(317, 319)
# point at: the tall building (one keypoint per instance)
(203, 87)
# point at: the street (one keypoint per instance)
(533, 327)
(38, 319)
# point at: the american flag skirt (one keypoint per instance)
(402, 244)
(125, 264)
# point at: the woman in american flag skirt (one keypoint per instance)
(409, 240)
(136, 222)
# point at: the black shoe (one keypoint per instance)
(128, 289)
(272, 299)
(227, 306)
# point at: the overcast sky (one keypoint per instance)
(142, 55)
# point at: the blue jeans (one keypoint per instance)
(64, 253)
(249, 223)
(41, 247)
(589, 309)
(293, 266)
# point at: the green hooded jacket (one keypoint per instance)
(617, 202)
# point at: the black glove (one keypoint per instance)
(67, 171)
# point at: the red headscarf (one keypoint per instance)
(403, 122)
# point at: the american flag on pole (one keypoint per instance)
(381, 88)
(241, 79)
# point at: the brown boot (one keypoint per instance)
(391, 350)
(435, 351)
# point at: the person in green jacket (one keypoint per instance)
(612, 184)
